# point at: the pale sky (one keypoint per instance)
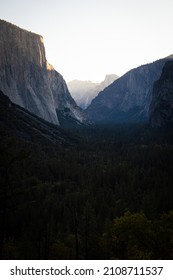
(87, 39)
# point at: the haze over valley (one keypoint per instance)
(84, 92)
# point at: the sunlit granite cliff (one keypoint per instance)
(29, 80)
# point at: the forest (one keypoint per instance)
(107, 195)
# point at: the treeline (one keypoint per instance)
(110, 197)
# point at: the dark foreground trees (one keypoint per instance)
(109, 198)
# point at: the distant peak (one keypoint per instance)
(111, 76)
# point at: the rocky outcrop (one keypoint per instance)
(161, 108)
(84, 92)
(28, 79)
(128, 98)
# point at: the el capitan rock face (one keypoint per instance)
(129, 97)
(29, 80)
(161, 108)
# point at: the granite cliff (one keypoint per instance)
(29, 80)
(161, 108)
(128, 98)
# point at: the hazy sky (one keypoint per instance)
(86, 39)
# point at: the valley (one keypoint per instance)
(83, 184)
(107, 195)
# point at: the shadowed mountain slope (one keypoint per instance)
(18, 123)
